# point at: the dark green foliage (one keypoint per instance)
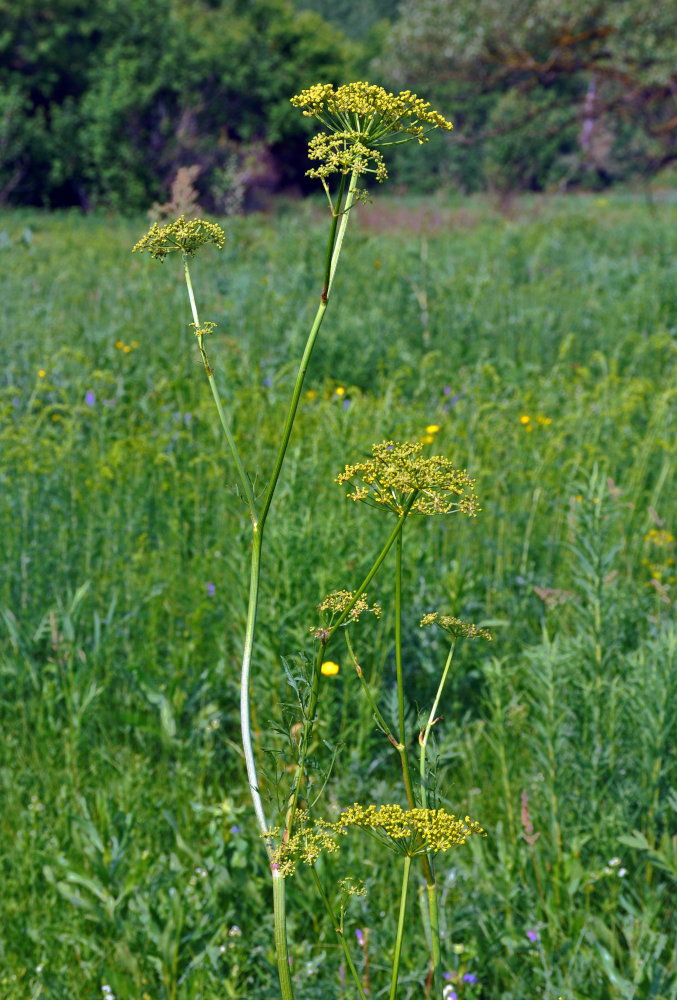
(101, 103)
(550, 91)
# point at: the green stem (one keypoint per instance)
(423, 738)
(339, 932)
(350, 200)
(402, 748)
(365, 687)
(432, 885)
(400, 928)
(245, 713)
(394, 535)
(258, 524)
(280, 916)
(333, 251)
(309, 719)
(242, 475)
(426, 861)
(335, 212)
(435, 939)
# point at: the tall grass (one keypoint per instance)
(543, 345)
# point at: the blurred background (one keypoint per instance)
(103, 101)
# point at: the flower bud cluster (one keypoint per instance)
(358, 118)
(455, 626)
(396, 471)
(187, 236)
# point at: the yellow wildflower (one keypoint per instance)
(397, 470)
(409, 831)
(180, 235)
(455, 626)
(359, 118)
(329, 668)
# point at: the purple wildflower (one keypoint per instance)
(211, 589)
(90, 398)
(469, 977)
(187, 417)
(532, 935)
(360, 937)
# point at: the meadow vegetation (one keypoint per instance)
(534, 348)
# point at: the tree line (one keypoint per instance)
(102, 101)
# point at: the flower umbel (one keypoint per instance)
(456, 627)
(396, 470)
(409, 831)
(336, 603)
(180, 235)
(306, 844)
(359, 118)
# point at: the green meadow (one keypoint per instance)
(541, 343)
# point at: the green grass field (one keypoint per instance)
(543, 345)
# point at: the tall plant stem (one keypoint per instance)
(432, 885)
(428, 869)
(258, 524)
(402, 747)
(400, 928)
(339, 932)
(242, 475)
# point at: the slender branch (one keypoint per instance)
(339, 932)
(280, 917)
(375, 568)
(309, 719)
(402, 748)
(370, 698)
(423, 738)
(432, 885)
(242, 475)
(245, 715)
(333, 251)
(400, 928)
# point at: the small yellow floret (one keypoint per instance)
(329, 668)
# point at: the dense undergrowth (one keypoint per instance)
(543, 347)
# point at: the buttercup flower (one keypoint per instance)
(359, 119)
(329, 668)
(396, 471)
